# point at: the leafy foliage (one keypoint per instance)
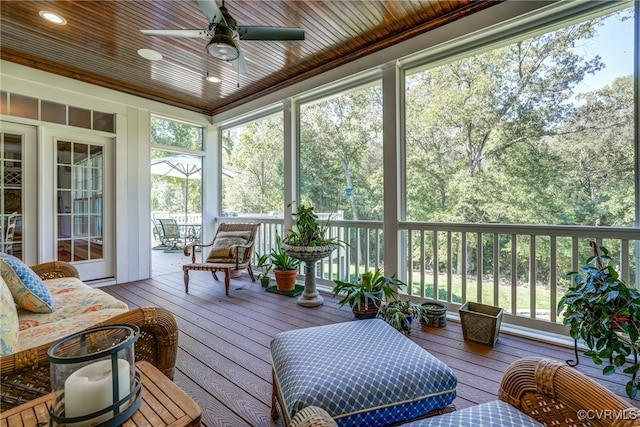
(604, 312)
(308, 231)
(280, 259)
(372, 287)
(401, 313)
(264, 262)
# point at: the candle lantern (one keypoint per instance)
(93, 377)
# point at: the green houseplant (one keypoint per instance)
(264, 263)
(285, 267)
(400, 314)
(308, 231)
(366, 294)
(307, 241)
(604, 312)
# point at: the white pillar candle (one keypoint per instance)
(90, 389)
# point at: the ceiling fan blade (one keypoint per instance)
(212, 11)
(251, 32)
(239, 64)
(178, 33)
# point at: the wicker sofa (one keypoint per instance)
(25, 372)
(533, 392)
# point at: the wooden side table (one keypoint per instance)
(163, 404)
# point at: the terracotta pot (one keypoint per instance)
(285, 279)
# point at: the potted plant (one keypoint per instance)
(308, 231)
(307, 241)
(366, 294)
(285, 267)
(604, 312)
(264, 263)
(400, 314)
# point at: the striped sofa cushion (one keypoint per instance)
(361, 372)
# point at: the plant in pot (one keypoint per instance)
(308, 231)
(366, 294)
(264, 263)
(307, 241)
(285, 267)
(604, 312)
(400, 314)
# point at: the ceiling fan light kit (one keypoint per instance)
(224, 31)
(222, 45)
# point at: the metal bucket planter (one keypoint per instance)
(435, 314)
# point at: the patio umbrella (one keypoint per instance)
(183, 166)
(179, 166)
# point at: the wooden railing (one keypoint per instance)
(521, 268)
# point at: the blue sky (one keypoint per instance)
(614, 44)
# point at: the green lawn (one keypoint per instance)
(523, 294)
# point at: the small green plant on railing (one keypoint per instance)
(604, 312)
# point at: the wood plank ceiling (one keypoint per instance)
(100, 41)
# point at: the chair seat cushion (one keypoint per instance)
(496, 413)
(361, 372)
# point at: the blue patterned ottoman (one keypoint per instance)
(495, 413)
(363, 373)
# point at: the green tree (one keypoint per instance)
(475, 124)
(597, 145)
(254, 179)
(341, 153)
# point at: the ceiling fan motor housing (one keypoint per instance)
(222, 45)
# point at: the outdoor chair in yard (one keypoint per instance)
(231, 251)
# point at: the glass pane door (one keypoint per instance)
(80, 172)
(11, 168)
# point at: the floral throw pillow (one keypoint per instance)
(27, 288)
(8, 321)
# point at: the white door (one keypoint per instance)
(18, 198)
(80, 181)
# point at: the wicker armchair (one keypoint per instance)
(237, 256)
(548, 391)
(555, 394)
(25, 375)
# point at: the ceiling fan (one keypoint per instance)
(223, 31)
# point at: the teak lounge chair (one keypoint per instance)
(231, 251)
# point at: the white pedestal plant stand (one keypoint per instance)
(309, 255)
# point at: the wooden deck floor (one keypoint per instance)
(224, 363)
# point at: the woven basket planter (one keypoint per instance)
(480, 322)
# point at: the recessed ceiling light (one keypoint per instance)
(213, 79)
(150, 54)
(53, 17)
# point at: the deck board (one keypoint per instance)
(224, 362)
